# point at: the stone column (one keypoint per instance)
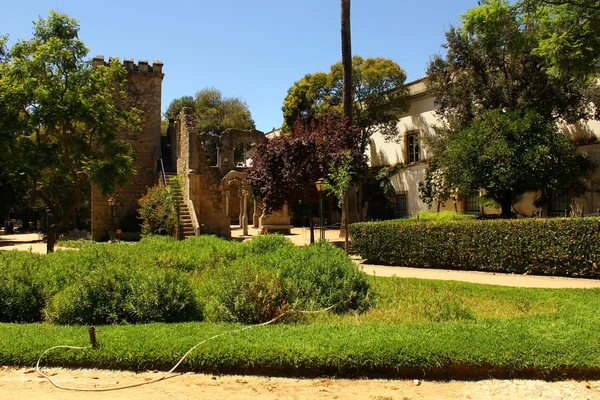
(255, 215)
(241, 195)
(227, 203)
(245, 212)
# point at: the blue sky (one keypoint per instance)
(254, 50)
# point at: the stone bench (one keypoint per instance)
(285, 229)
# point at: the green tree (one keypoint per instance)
(568, 35)
(490, 63)
(177, 104)
(61, 115)
(214, 113)
(508, 153)
(379, 97)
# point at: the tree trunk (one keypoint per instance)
(51, 239)
(506, 205)
(347, 61)
(310, 221)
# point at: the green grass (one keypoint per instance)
(415, 326)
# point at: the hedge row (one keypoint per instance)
(559, 247)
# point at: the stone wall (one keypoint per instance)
(144, 91)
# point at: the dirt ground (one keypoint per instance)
(22, 383)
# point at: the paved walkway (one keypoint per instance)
(301, 236)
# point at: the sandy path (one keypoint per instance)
(26, 384)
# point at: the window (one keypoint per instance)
(400, 208)
(560, 203)
(412, 147)
(471, 204)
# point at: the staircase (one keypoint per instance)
(165, 148)
(185, 218)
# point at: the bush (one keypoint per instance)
(244, 292)
(561, 247)
(115, 292)
(276, 275)
(21, 287)
(321, 276)
(157, 211)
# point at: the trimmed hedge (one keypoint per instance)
(559, 247)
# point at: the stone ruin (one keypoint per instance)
(215, 189)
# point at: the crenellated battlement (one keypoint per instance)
(131, 66)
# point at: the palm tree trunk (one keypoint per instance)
(347, 61)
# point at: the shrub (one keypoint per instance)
(21, 287)
(157, 211)
(244, 292)
(276, 275)
(561, 247)
(321, 276)
(115, 292)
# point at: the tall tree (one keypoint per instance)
(61, 116)
(490, 64)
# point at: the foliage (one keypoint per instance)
(285, 169)
(260, 287)
(558, 247)
(115, 292)
(567, 34)
(434, 188)
(379, 192)
(177, 104)
(157, 210)
(490, 64)
(340, 176)
(508, 154)
(213, 112)
(159, 279)
(21, 289)
(60, 117)
(379, 97)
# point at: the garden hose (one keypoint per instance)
(39, 371)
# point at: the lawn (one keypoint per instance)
(415, 328)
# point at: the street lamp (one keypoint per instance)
(111, 205)
(321, 187)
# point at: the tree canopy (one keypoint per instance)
(214, 113)
(567, 34)
(379, 97)
(499, 107)
(508, 153)
(490, 63)
(285, 169)
(60, 117)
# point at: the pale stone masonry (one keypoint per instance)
(144, 92)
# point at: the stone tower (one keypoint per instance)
(144, 91)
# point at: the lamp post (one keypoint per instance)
(320, 184)
(111, 205)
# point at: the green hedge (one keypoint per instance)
(559, 247)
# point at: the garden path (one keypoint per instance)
(21, 383)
